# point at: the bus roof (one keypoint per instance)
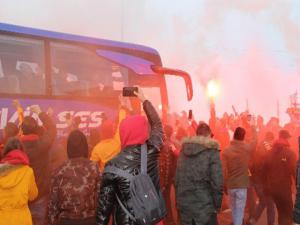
(71, 37)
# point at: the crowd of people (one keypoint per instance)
(258, 164)
(236, 162)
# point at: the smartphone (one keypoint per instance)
(190, 114)
(129, 91)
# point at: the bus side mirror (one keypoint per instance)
(187, 79)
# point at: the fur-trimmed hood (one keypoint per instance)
(6, 168)
(195, 145)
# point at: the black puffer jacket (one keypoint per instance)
(199, 180)
(129, 160)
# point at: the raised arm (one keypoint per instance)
(19, 109)
(253, 142)
(213, 117)
(156, 135)
(50, 128)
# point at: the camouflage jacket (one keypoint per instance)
(74, 188)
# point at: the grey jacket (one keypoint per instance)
(199, 180)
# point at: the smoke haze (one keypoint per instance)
(252, 47)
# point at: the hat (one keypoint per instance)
(29, 125)
(284, 134)
(239, 134)
(77, 145)
(11, 130)
(203, 130)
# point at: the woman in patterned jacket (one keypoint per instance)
(74, 186)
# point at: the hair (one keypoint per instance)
(168, 131)
(203, 130)
(13, 143)
(29, 125)
(284, 134)
(239, 134)
(76, 122)
(77, 145)
(269, 136)
(11, 130)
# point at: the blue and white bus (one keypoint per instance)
(75, 75)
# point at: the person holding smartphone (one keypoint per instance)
(134, 132)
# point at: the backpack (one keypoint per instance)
(148, 205)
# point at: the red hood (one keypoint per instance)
(134, 130)
(16, 157)
(29, 137)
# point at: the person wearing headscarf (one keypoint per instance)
(74, 185)
(134, 132)
(17, 185)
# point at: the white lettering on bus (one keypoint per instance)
(14, 118)
(88, 119)
(3, 120)
(96, 119)
(84, 115)
(62, 119)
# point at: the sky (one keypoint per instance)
(251, 47)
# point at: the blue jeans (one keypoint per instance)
(237, 198)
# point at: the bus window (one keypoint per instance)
(80, 72)
(22, 66)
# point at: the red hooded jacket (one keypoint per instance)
(134, 130)
(16, 157)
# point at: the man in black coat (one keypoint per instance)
(199, 179)
(280, 169)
